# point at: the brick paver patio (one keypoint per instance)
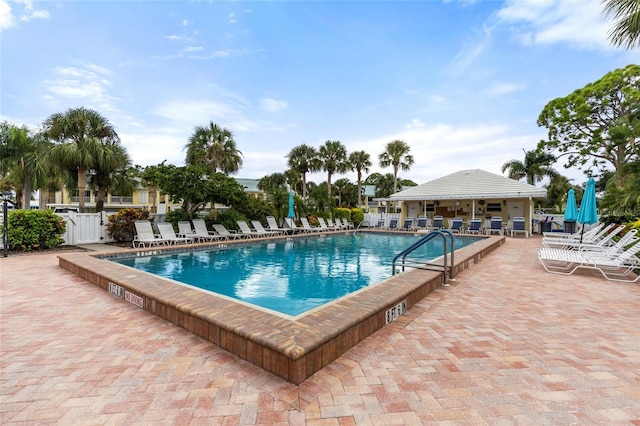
(507, 343)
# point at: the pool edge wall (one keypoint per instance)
(293, 349)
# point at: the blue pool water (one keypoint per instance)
(293, 276)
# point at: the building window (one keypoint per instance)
(87, 196)
(430, 207)
(121, 199)
(144, 196)
(494, 207)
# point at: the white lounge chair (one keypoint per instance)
(228, 234)
(202, 233)
(324, 225)
(168, 234)
(246, 230)
(586, 236)
(601, 238)
(273, 225)
(347, 224)
(613, 266)
(307, 226)
(262, 231)
(185, 230)
(145, 237)
(336, 226)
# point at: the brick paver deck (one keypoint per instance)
(507, 343)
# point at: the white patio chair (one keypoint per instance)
(168, 234)
(145, 236)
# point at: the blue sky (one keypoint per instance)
(462, 82)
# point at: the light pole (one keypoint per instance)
(5, 221)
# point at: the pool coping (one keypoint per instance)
(291, 348)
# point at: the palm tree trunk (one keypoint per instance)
(82, 186)
(26, 196)
(100, 196)
(304, 186)
(359, 188)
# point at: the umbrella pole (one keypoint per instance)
(581, 233)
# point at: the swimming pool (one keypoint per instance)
(293, 348)
(290, 277)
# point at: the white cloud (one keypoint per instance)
(500, 89)
(232, 18)
(6, 17)
(272, 105)
(470, 51)
(88, 83)
(193, 48)
(578, 23)
(29, 12)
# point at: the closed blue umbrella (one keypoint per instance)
(588, 213)
(292, 213)
(571, 211)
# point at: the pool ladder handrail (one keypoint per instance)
(431, 235)
(359, 225)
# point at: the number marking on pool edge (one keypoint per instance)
(134, 298)
(116, 289)
(394, 313)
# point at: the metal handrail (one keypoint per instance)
(359, 225)
(431, 235)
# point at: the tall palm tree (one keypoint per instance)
(214, 148)
(396, 154)
(23, 157)
(360, 161)
(275, 185)
(333, 156)
(626, 22)
(112, 164)
(535, 167)
(304, 159)
(78, 134)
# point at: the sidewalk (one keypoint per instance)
(506, 343)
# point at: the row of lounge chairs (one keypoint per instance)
(595, 249)
(146, 237)
(475, 226)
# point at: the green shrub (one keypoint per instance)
(31, 230)
(357, 216)
(121, 225)
(228, 218)
(342, 213)
(175, 216)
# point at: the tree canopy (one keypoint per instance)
(626, 26)
(597, 126)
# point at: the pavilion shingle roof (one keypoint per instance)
(470, 184)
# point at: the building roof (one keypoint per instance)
(470, 184)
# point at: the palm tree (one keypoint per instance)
(151, 176)
(78, 135)
(214, 148)
(333, 157)
(385, 184)
(304, 159)
(112, 160)
(360, 161)
(23, 157)
(626, 17)
(536, 166)
(275, 186)
(396, 154)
